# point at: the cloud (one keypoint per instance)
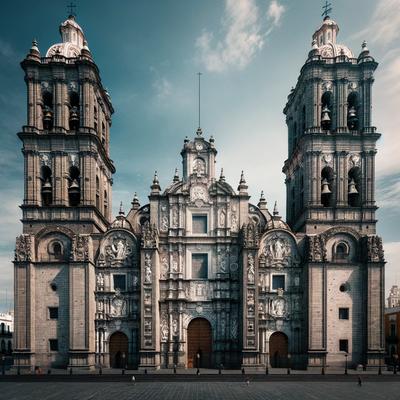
(162, 88)
(244, 34)
(275, 12)
(383, 27)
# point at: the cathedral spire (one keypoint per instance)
(176, 176)
(155, 187)
(242, 188)
(262, 204)
(135, 202)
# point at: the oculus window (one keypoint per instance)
(199, 224)
(278, 282)
(199, 266)
(119, 281)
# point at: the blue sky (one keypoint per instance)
(250, 53)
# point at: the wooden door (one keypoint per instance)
(199, 343)
(118, 350)
(278, 350)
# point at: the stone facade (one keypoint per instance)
(199, 276)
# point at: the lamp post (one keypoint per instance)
(345, 365)
(380, 363)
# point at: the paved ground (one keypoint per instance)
(199, 391)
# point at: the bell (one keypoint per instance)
(47, 188)
(325, 187)
(74, 187)
(352, 187)
(47, 118)
(325, 118)
(352, 118)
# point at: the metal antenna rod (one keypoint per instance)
(199, 74)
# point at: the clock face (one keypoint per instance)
(199, 146)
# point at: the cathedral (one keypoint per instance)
(198, 276)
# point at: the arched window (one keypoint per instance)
(327, 187)
(47, 110)
(352, 111)
(97, 192)
(74, 189)
(326, 113)
(74, 110)
(105, 204)
(341, 251)
(354, 187)
(3, 346)
(47, 185)
(57, 250)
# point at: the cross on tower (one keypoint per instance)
(327, 7)
(71, 6)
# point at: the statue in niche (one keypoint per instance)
(119, 249)
(234, 222)
(164, 267)
(147, 268)
(199, 167)
(100, 281)
(135, 280)
(175, 327)
(250, 269)
(222, 218)
(164, 329)
(278, 308)
(277, 250)
(175, 217)
(118, 305)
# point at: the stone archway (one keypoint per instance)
(278, 350)
(119, 347)
(199, 337)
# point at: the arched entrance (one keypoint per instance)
(278, 350)
(199, 338)
(118, 346)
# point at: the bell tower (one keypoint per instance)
(68, 172)
(330, 186)
(67, 203)
(330, 170)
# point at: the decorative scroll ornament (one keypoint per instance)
(327, 86)
(374, 249)
(73, 159)
(80, 248)
(316, 249)
(327, 159)
(198, 194)
(150, 236)
(147, 268)
(251, 236)
(45, 159)
(355, 160)
(23, 248)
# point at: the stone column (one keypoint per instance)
(341, 178)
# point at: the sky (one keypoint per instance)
(249, 52)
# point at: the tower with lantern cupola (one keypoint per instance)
(67, 199)
(330, 186)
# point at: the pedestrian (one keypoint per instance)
(133, 379)
(359, 380)
(247, 382)
(198, 372)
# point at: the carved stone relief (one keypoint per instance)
(147, 268)
(23, 248)
(117, 250)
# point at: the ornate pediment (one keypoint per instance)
(118, 249)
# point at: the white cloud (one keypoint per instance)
(244, 34)
(275, 12)
(162, 88)
(383, 27)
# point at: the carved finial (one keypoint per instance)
(34, 52)
(176, 176)
(276, 212)
(155, 187)
(222, 176)
(212, 140)
(135, 202)
(262, 204)
(242, 184)
(155, 179)
(121, 209)
(186, 140)
(364, 45)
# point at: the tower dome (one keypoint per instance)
(73, 39)
(325, 39)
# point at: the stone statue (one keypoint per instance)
(100, 281)
(250, 269)
(118, 249)
(147, 268)
(118, 307)
(23, 248)
(278, 308)
(175, 327)
(164, 329)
